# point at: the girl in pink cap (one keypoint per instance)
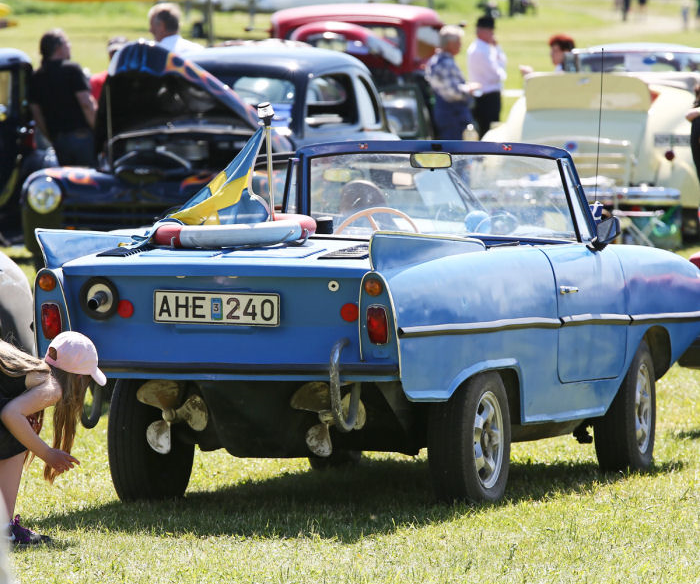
(27, 386)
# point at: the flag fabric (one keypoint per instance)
(225, 190)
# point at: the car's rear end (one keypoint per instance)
(262, 335)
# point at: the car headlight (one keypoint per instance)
(44, 195)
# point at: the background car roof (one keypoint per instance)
(637, 47)
(357, 12)
(274, 57)
(10, 56)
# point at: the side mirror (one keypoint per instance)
(606, 232)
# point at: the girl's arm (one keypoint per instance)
(41, 395)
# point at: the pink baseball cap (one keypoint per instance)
(75, 353)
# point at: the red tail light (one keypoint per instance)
(50, 320)
(377, 325)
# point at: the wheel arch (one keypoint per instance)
(659, 343)
(508, 371)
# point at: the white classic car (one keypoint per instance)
(619, 109)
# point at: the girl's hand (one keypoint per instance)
(59, 460)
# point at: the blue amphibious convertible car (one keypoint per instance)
(456, 296)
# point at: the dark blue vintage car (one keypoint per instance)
(165, 125)
(457, 296)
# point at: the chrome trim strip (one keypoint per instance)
(665, 317)
(582, 319)
(478, 327)
(470, 328)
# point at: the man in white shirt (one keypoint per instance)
(164, 22)
(486, 64)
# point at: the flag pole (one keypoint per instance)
(266, 113)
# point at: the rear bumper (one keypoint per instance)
(223, 371)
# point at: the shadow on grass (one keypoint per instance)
(377, 497)
(688, 434)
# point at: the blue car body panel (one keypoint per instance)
(559, 317)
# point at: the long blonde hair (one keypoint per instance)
(17, 363)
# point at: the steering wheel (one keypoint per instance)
(507, 220)
(374, 211)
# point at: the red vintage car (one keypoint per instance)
(393, 40)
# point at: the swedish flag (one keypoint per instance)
(224, 190)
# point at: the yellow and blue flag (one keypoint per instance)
(224, 190)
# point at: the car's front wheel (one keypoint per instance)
(138, 471)
(469, 442)
(624, 436)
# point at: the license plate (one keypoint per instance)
(175, 306)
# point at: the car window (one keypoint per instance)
(6, 89)
(576, 204)
(498, 195)
(255, 90)
(392, 34)
(639, 61)
(427, 40)
(330, 100)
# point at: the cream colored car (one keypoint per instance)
(626, 130)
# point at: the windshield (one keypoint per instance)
(517, 196)
(639, 61)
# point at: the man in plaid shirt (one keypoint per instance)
(453, 96)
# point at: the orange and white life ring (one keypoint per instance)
(285, 228)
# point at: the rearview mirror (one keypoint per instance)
(606, 232)
(431, 160)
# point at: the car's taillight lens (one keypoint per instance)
(50, 320)
(377, 325)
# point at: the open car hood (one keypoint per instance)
(148, 86)
(353, 39)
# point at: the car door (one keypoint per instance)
(592, 305)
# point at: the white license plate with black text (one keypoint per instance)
(176, 306)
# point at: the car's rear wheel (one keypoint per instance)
(624, 436)
(338, 458)
(469, 442)
(138, 471)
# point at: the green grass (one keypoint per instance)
(276, 521)
(258, 521)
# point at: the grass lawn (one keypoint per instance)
(277, 521)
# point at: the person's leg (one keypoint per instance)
(10, 475)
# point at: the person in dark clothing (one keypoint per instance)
(60, 101)
(28, 386)
(693, 116)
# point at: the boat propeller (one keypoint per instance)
(316, 396)
(165, 395)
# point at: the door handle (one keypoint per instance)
(568, 289)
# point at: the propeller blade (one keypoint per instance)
(194, 412)
(313, 396)
(159, 393)
(318, 439)
(158, 436)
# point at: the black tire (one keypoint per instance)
(138, 471)
(624, 436)
(338, 458)
(454, 438)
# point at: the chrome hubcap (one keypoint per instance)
(642, 408)
(488, 447)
